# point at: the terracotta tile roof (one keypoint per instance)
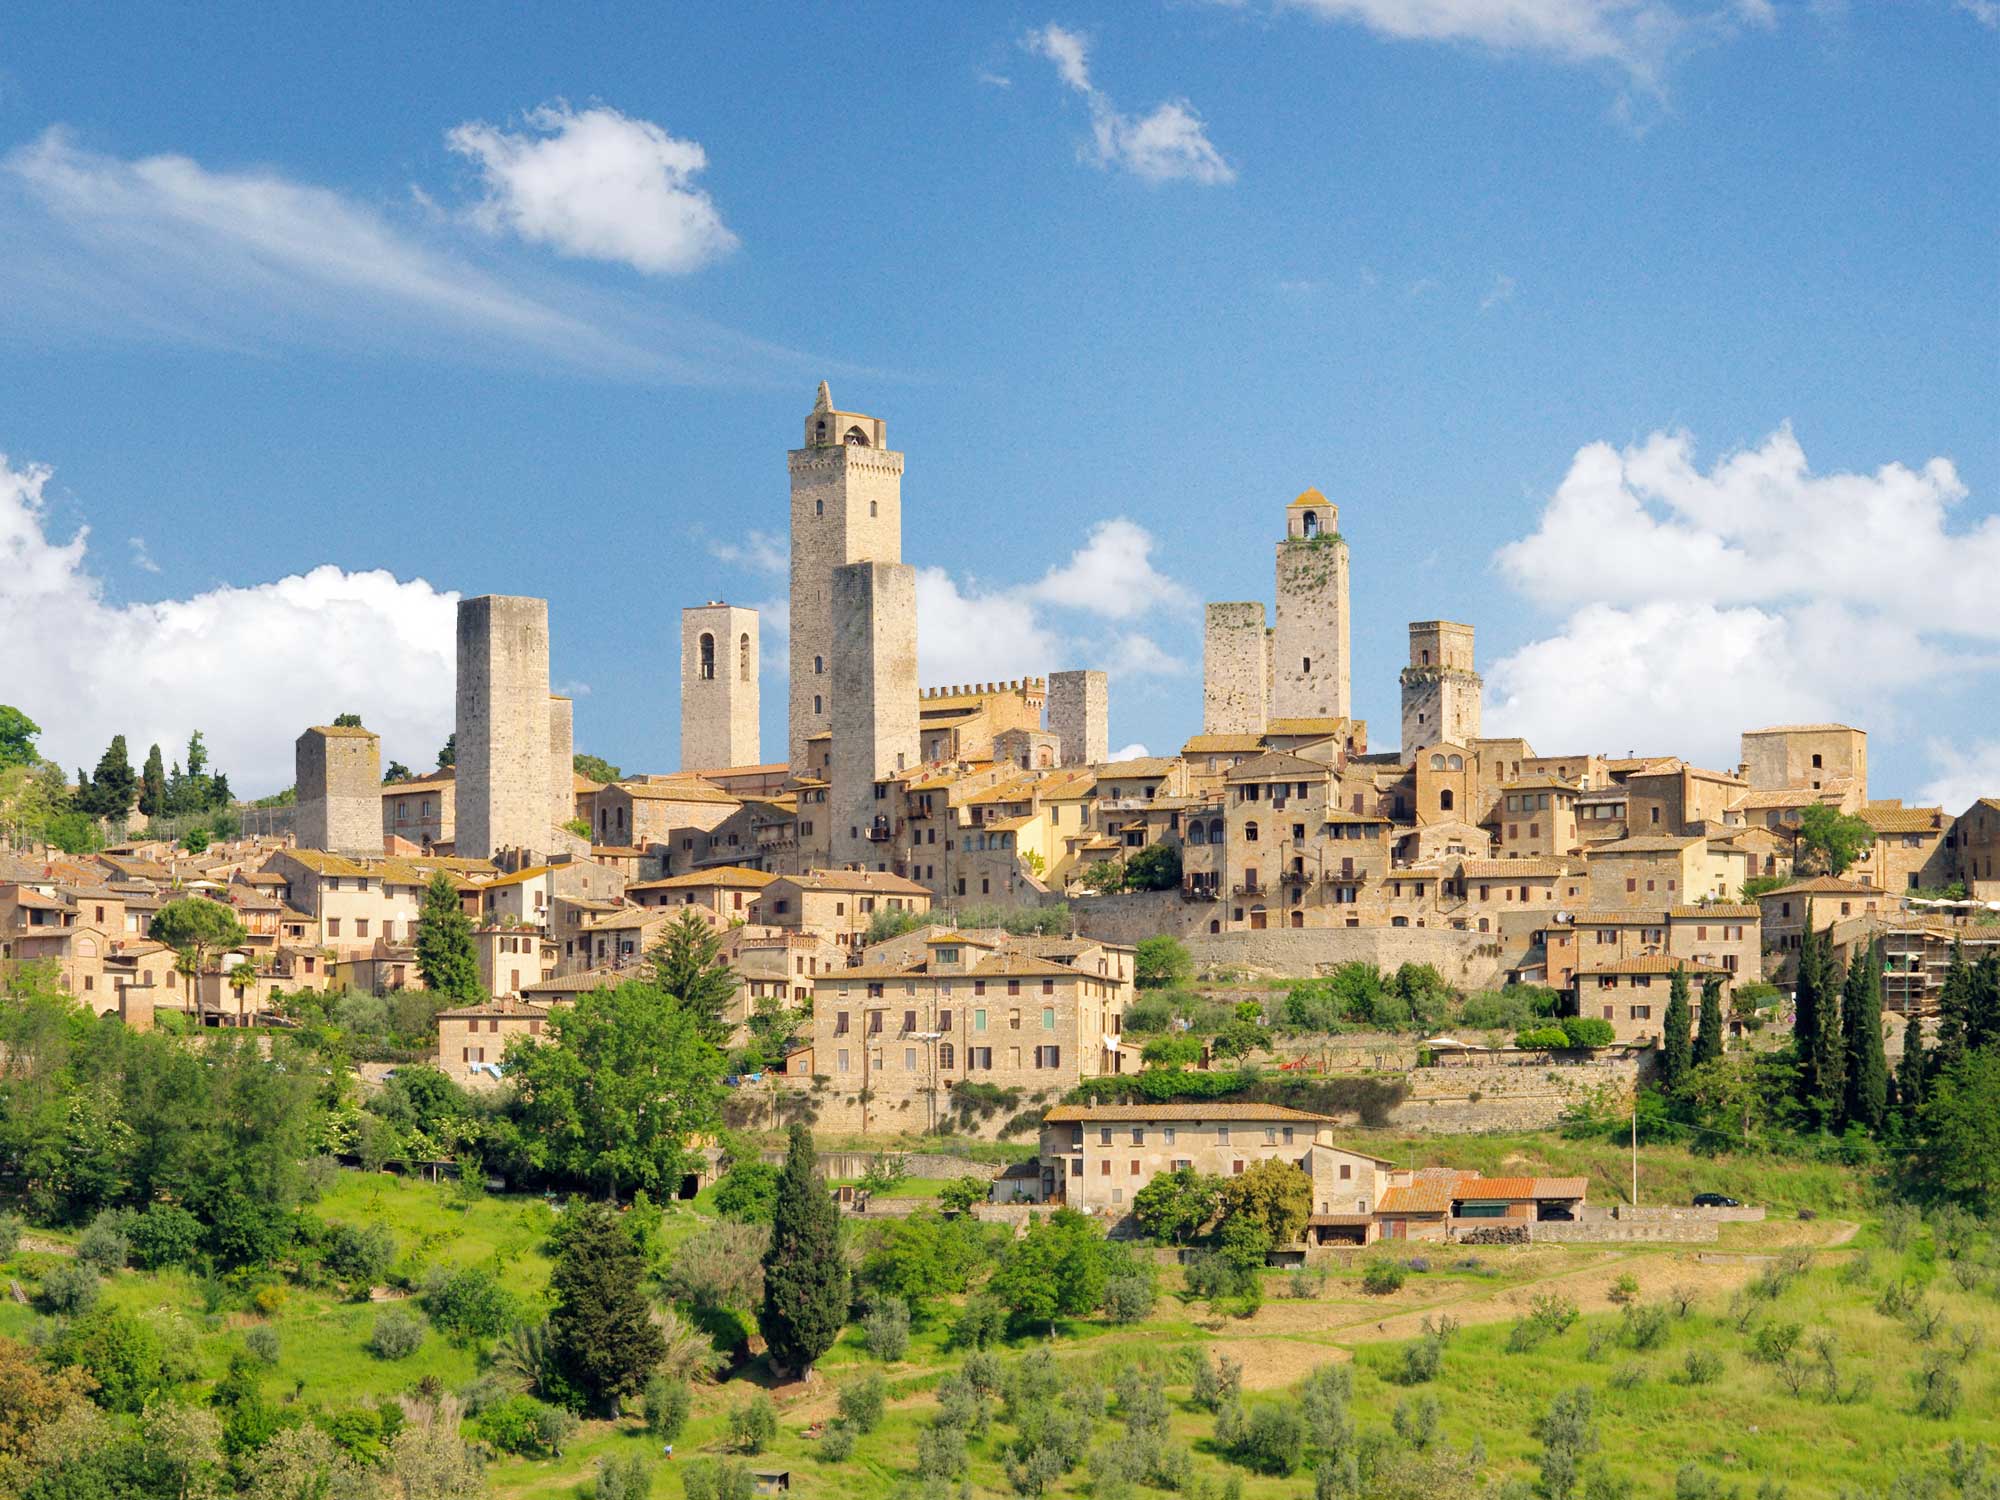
(1802, 729)
(1522, 1187)
(676, 791)
(1223, 744)
(1295, 728)
(1650, 844)
(1720, 911)
(1780, 797)
(1180, 1114)
(1543, 782)
(1428, 1196)
(344, 731)
(1277, 765)
(519, 877)
(1506, 869)
(1132, 770)
(1650, 963)
(1885, 819)
(719, 875)
(1308, 498)
(517, 1008)
(1824, 885)
(875, 882)
(1011, 825)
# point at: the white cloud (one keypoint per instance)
(141, 558)
(1141, 656)
(759, 552)
(1169, 143)
(163, 247)
(968, 635)
(1112, 575)
(1133, 751)
(1986, 12)
(1964, 775)
(1635, 34)
(250, 666)
(598, 185)
(1701, 603)
(1502, 291)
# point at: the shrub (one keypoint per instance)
(1702, 1366)
(361, 1256)
(1161, 961)
(624, 1478)
(1547, 1316)
(468, 1305)
(1382, 1277)
(1624, 1289)
(959, 1195)
(1423, 1359)
(105, 1246)
(1128, 1299)
(940, 1454)
(1273, 1438)
(262, 1342)
(1588, 1031)
(396, 1335)
(1938, 1389)
(886, 1328)
(861, 1402)
(269, 1298)
(1217, 1385)
(522, 1425)
(753, 1425)
(665, 1404)
(1900, 1222)
(748, 1192)
(10, 1235)
(717, 1479)
(68, 1290)
(980, 1322)
(1776, 1341)
(1542, 1039)
(1628, 1377)
(836, 1442)
(1646, 1327)
(165, 1235)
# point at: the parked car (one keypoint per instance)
(1715, 1200)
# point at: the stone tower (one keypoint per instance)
(1078, 716)
(1309, 652)
(1440, 689)
(874, 705)
(847, 507)
(503, 725)
(562, 759)
(339, 780)
(1235, 663)
(718, 687)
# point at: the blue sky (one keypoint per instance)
(1660, 340)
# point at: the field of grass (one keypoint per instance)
(1738, 1421)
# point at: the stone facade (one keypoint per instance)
(339, 781)
(847, 507)
(1441, 691)
(562, 759)
(1235, 660)
(503, 725)
(1805, 755)
(874, 645)
(719, 703)
(1309, 655)
(1079, 716)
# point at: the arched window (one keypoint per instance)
(819, 507)
(743, 657)
(1214, 925)
(856, 438)
(1197, 832)
(1311, 523)
(707, 657)
(819, 666)
(819, 704)
(1457, 763)
(1444, 799)
(1437, 762)
(1250, 833)
(1426, 658)
(871, 508)
(819, 430)
(1215, 830)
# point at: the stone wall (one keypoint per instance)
(503, 725)
(1234, 663)
(562, 762)
(1309, 646)
(719, 701)
(1079, 716)
(1614, 1232)
(875, 733)
(1502, 1097)
(338, 774)
(843, 1165)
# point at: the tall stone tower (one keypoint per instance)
(847, 507)
(874, 705)
(1079, 715)
(718, 687)
(503, 725)
(1309, 651)
(338, 773)
(1441, 691)
(562, 759)
(1235, 666)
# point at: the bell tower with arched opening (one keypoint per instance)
(847, 507)
(1441, 691)
(719, 702)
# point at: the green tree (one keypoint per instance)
(1866, 1100)
(1811, 1005)
(1830, 840)
(347, 721)
(445, 954)
(448, 752)
(1162, 960)
(74, 833)
(1960, 1151)
(601, 1333)
(1157, 867)
(17, 738)
(153, 785)
(1105, 877)
(1954, 1010)
(195, 840)
(1677, 1047)
(1273, 1194)
(594, 768)
(1177, 1205)
(1056, 1270)
(1829, 1064)
(1174, 1049)
(108, 794)
(805, 1277)
(688, 965)
(396, 772)
(615, 1090)
(196, 928)
(1709, 1043)
(1912, 1074)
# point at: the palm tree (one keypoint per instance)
(522, 1356)
(241, 978)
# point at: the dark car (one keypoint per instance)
(1715, 1200)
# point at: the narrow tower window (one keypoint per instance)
(1306, 664)
(743, 657)
(707, 657)
(1311, 525)
(819, 507)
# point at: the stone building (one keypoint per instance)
(503, 726)
(1910, 852)
(1974, 844)
(1235, 669)
(1441, 691)
(1079, 716)
(1309, 673)
(847, 503)
(338, 773)
(719, 701)
(422, 811)
(875, 735)
(562, 762)
(472, 1039)
(1813, 756)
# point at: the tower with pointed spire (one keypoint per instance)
(847, 507)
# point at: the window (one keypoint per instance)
(1048, 1018)
(945, 1055)
(707, 657)
(979, 1016)
(1222, 1135)
(1346, 1171)
(840, 1060)
(1250, 833)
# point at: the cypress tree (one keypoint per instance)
(1708, 1045)
(805, 1278)
(153, 785)
(1829, 1049)
(1809, 1006)
(109, 793)
(1982, 1018)
(601, 1330)
(445, 955)
(1913, 1074)
(1866, 1093)
(1954, 1010)
(1677, 1055)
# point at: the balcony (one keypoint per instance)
(880, 831)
